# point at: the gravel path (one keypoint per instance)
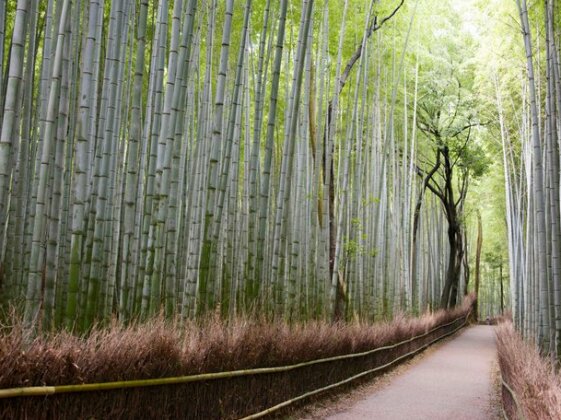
(453, 382)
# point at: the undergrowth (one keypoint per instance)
(533, 379)
(160, 348)
(163, 348)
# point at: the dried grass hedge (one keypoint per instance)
(160, 348)
(536, 385)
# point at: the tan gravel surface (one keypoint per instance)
(456, 381)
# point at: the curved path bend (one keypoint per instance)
(453, 382)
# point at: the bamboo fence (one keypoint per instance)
(12, 395)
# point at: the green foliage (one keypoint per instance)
(371, 200)
(494, 258)
(474, 158)
(352, 248)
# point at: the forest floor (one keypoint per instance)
(456, 379)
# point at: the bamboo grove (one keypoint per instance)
(275, 158)
(531, 160)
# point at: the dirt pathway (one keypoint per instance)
(453, 382)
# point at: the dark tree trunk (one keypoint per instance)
(467, 271)
(416, 216)
(502, 289)
(449, 296)
(450, 291)
(478, 263)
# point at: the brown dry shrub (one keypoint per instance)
(161, 348)
(532, 378)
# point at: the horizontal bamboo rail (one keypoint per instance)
(105, 386)
(352, 378)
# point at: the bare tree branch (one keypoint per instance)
(371, 29)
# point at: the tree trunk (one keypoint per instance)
(502, 288)
(478, 263)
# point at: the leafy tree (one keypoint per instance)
(448, 117)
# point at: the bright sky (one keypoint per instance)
(471, 14)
